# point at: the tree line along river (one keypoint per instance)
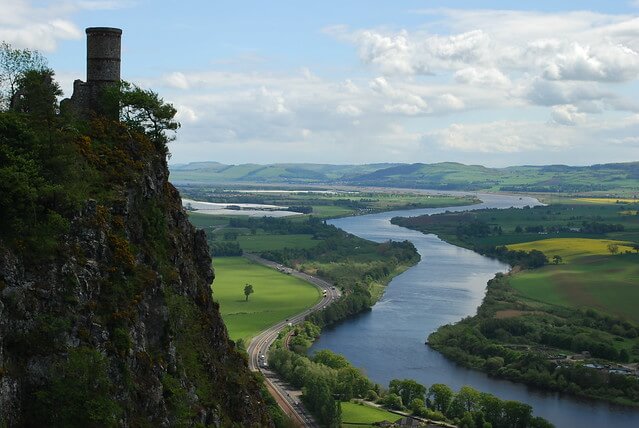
(447, 285)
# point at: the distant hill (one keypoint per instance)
(217, 173)
(622, 178)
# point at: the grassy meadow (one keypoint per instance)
(588, 277)
(265, 242)
(277, 296)
(607, 283)
(359, 415)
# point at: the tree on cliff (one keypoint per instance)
(144, 110)
(14, 64)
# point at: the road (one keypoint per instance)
(285, 395)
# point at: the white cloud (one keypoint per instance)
(549, 93)
(399, 100)
(349, 110)
(449, 102)
(481, 77)
(41, 25)
(186, 114)
(270, 102)
(486, 44)
(499, 137)
(178, 80)
(567, 115)
(404, 53)
(607, 62)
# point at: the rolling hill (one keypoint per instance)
(618, 178)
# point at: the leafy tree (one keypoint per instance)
(417, 406)
(37, 93)
(613, 248)
(330, 359)
(440, 396)
(140, 110)
(320, 400)
(143, 110)
(248, 289)
(393, 401)
(556, 259)
(467, 421)
(516, 414)
(466, 400)
(408, 389)
(14, 64)
(351, 383)
(36, 96)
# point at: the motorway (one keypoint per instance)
(286, 397)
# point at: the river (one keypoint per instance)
(447, 285)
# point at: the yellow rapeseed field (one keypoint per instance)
(607, 201)
(570, 248)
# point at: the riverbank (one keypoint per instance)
(488, 342)
(447, 285)
(575, 336)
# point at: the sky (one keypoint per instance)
(495, 83)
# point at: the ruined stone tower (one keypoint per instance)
(103, 70)
(103, 55)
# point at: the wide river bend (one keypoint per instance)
(447, 285)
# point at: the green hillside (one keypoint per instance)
(618, 179)
(213, 172)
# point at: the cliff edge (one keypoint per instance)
(106, 313)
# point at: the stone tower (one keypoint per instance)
(103, 55)
(103, 70)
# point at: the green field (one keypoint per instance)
(571, 248)
(277, 296)
(364, 416)
(607, 283)
(265, 242)
(331, 211)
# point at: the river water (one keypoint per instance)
(447, 285)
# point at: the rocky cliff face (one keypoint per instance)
(117, 326)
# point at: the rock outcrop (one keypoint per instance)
(117, 326)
